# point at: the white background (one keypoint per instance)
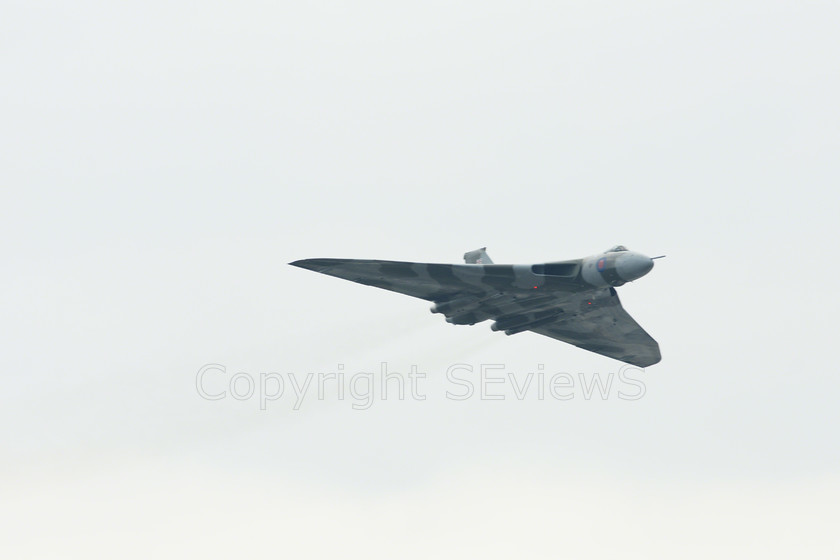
(161, 162)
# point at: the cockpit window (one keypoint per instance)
(617, 248)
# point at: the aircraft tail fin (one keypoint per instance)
(479, 256)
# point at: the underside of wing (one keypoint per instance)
(601, 325)
(429, 281)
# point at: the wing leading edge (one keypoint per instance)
(432, 282)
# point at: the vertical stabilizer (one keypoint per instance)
(479, 256)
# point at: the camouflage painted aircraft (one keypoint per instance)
(574, 301)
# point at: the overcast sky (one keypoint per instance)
(161, 162)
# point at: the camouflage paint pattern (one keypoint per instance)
(573, 301)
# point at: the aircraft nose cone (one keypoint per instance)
(632, 266)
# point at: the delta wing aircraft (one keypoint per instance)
(574, 301)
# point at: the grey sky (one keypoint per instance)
(162, 162)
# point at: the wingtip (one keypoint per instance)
(653, 360)
(304, 263)
(318, 265)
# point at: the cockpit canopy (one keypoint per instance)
(617, 249)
